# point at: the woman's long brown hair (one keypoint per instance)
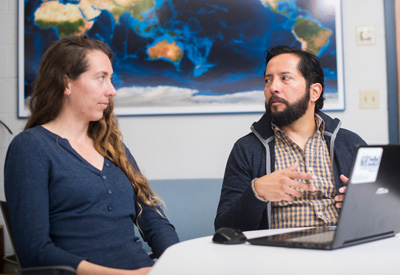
(67, 57)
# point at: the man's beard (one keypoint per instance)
(291, 113)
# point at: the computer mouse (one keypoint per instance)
(227, 235)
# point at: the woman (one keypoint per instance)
(73, 189)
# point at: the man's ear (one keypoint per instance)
(315, 91)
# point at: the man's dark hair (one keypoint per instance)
(309, 66)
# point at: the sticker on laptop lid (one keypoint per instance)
(367, 165)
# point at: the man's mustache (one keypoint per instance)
(276, 98)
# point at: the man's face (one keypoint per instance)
(286, 94)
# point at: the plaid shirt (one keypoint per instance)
(312, 208)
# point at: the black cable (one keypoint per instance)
(9, 130)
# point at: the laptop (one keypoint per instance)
(370, 209)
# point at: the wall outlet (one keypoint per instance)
(369, 99)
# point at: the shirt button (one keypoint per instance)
(107, 164)
(109, 192)
(110, 208)
(104, 177)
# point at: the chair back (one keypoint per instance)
(6, 216)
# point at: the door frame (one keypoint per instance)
(392, 18)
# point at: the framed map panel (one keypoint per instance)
(186, 56)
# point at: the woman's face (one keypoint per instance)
(89, 95)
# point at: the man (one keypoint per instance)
(291, 170)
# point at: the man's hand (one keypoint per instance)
(339, 198)
(280, 185)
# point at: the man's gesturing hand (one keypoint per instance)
(342, 190)
(280, 185)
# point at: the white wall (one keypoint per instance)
(197, 146)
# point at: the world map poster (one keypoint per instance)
(186, 56)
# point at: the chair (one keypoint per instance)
(43, 270)
(4, 211)
(48, 270)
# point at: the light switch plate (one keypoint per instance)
(366, 35)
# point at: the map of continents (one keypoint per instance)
(186, 52)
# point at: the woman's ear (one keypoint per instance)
(315, 91)
(67, 90)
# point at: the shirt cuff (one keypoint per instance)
(255, 192)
